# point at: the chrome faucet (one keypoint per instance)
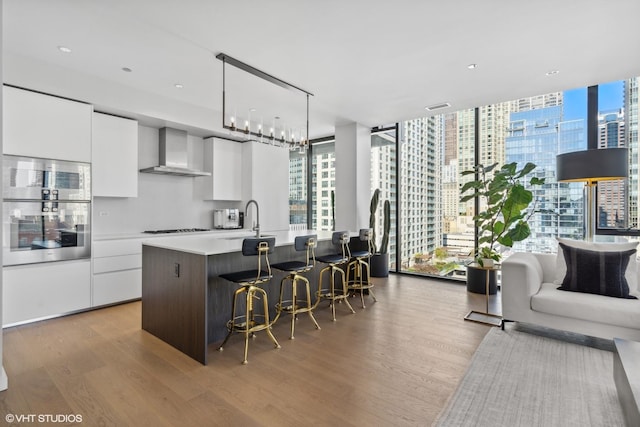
(256, 227)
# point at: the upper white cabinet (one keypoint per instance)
(114, 157)
(38, 125)
(224, 160)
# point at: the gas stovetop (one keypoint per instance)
(177, 230)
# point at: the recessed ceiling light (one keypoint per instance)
(126, 69)
(552, 72)
(437, 106)
(178, 86)
(64, 49)
(472, 66)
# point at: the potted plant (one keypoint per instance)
(504, 216)
(379, 261)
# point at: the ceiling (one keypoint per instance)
(372, 62)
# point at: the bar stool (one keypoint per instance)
(334, 294)
(296, 270)
(251, 322)
(358, 269)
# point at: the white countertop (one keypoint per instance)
(208, 243)
(142, 235)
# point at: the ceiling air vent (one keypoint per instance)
(437, 106)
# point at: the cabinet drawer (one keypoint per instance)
(116, 263)
(110, 288)
(45, 290)
(108, 248)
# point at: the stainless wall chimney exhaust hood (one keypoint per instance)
(173, 155)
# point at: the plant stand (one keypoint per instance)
(484, 316)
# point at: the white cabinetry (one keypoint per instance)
(117, 271)
(267, 179)
(38, 125)
(224, 160)
(114, 156)
(37, 291)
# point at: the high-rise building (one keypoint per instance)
(297, 188)
(538, 135)
(323, 174)
(632, 114)
(420, 187)
(612, 195)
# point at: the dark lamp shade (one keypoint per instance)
(593, 165)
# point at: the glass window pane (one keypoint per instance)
(323, 169)
(617, 116)
(384, 177)
(297, 190)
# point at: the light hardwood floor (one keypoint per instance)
(397, 362)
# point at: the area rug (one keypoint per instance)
(536, 378)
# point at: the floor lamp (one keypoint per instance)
(590, 167)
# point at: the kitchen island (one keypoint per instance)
(186, 304)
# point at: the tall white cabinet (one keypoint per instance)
(45, 126)
(114, 156)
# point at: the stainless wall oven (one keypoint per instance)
(46, 210)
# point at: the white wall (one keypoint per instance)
(163, 201)
(353, 173)
(3, 375)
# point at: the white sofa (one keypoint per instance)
(530, 295)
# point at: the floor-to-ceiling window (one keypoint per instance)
(384, 176)
(419, 163)
(438, 240)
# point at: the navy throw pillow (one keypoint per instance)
(596, 272)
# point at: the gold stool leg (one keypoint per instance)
(294, 294)
(333, 292)
(249, 322)
(279, 305)
(359, 264)
(345, 290)
(231, 324)
(266, 318)
(319, 293)
(309, 307)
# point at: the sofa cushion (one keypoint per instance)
(631, 274)
(590, 307)
(596, 272)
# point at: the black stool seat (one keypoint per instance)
(360, 254)
(247, 276)
(292, 266)
(332, 259)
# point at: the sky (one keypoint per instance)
(610, 97)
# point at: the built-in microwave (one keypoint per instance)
(46, 210)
